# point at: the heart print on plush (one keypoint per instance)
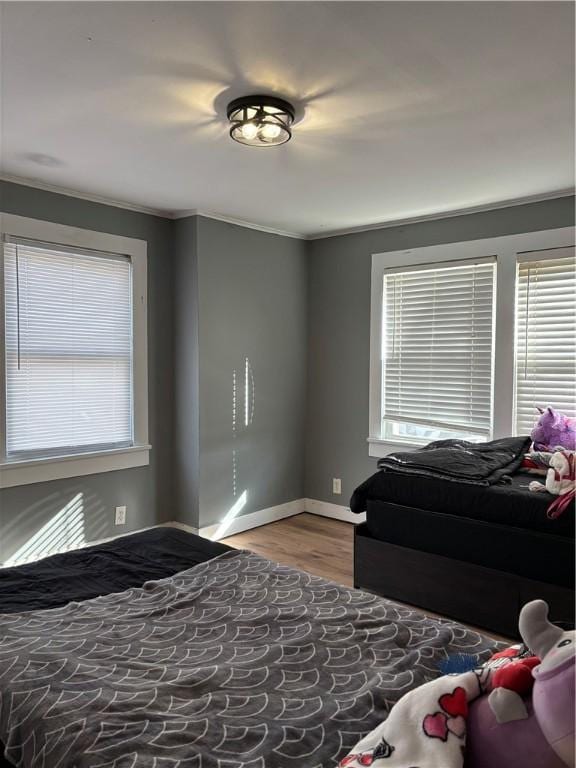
(435, 726)
(455, 703)
(457, 726)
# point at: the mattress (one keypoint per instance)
(524, 551)
(512, 504)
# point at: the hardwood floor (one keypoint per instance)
(315, 544)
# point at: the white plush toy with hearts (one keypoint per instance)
(561, 476)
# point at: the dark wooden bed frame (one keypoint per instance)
(471, 593)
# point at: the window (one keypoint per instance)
(437, 361)
(73, 372)
(467, 339)
(68, 350)
(545, 335)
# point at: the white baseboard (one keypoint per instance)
(252, 520)
(247, 522)
(182, 526)
(335, 511)
(272, 514)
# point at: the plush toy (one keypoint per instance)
(537, 462)
(554, 430)
(510, 669)
(560, 477)
(506, 730)
(560, 481)
(486, 717)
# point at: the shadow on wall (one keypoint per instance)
(56, 523)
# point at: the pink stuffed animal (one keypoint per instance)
(508, 731)
(486, 717)
(554, 430)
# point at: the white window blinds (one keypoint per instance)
(545, 336)
(437, 349)
(68, 320)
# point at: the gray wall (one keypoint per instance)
(339, 331)
(218, 294)
(186, 380)
(147, 491)
(251, 293)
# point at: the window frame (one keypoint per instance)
(15, 472)
(505, 250)
(535, 257)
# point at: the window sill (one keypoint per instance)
(13, 473)
(378, 447)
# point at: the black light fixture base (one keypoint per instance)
(260, 120)
(268, 101)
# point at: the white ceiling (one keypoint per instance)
(407, 108)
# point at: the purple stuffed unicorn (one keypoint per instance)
(554, 429)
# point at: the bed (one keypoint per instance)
(224, 659)
(423, 535)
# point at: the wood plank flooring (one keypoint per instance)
(319, 545)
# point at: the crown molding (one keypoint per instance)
(445, 214)
(162, 213)
(385, 224)
(237, 222)
(35, 184)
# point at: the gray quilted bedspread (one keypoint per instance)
(235, 662)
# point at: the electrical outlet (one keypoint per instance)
(336, 485)
(120, 516)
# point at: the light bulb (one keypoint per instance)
(270, 131)
(260, 121)
(249, 131)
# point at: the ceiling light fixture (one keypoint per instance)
(260, 121)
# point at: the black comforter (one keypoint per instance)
(461, 461)
(100, 570)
